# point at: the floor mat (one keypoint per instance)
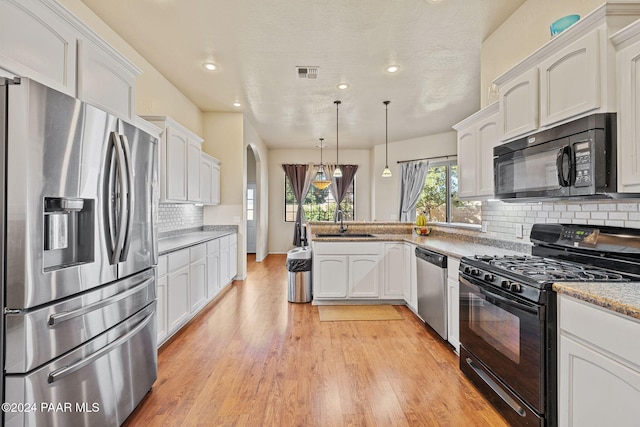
(337, 313)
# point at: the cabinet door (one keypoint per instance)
(213, 274)
(38, 43)
(194, 157)
(519, 105)
(225, 278)
(206, 177)
(628, 63)
(467, 162)
(453, 303)
(215, 185)
(178, 298)
(364, 276)
(486, 139)
(198, 283)
(595, 389)
(175, 165)
(570, 80)
(161, 309)
(394, 270)
(233, 261)
(104, 82)
(330, 276)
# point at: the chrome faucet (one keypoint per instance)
(339, 217)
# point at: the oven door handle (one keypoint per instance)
(497, 389)
(507, 301)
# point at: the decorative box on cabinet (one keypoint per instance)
(477, 135)
(627, 42)
(598, 366)
(179, 160)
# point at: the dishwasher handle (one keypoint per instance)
(431, 257)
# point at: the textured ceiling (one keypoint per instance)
(258, 43)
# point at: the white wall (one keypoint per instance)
(281, 232)
(526, 30)
(385, 198)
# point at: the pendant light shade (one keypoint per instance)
(337, 173)
(386, 173)
(320, 181)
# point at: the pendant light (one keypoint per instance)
(320, 181)
(386, 173)
(337, 173)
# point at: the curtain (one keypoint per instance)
(411, 184)
(300, 177)
(339, 186)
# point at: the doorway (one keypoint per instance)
(251, 217)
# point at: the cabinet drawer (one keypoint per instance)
(213, 246)
(178, 259)
(601, 327)
(347, 248)
(163, 265)
(198, 252)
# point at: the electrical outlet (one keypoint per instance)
(485, 225)
(519, 231)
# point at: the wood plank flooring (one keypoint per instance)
(253, 359)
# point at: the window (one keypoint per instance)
(319, 205)
(439, 199)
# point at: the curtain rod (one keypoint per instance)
(428, 158)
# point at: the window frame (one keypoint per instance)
(353, 192)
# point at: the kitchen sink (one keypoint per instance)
(345, 235)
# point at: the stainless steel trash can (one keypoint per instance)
(299, 267)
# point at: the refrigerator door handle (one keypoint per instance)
(122, 207)
(58, 318)
(109, 197)
(130, 197)
(58, 374)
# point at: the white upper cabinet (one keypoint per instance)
(41, 40)
(36, 42)
(627, 42)
(104, 81)
(180, 157)
(572, 75)
(519, 105)
(570, 82)
(477, 135)
(209, 180)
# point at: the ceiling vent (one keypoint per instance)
(307, 72)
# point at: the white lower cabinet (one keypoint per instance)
(364, 276)
(213, 268)
(233, 256)
(598, 366)
(178, 290)
(224, 261)
(330, 276)
(410, 289)
(198, 276)
(395, 271)
(161, 297)
(453, 303)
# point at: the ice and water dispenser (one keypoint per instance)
(68, 232)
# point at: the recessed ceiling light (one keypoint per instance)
(237, 104)
(343, 86)
(393, 68)
(210, 66)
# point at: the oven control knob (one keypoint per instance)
(505, 284)
(489, 277)
(515, 287)
(467, 269)
(475, 272)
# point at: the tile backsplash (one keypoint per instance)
(502, 219)
(176, 216)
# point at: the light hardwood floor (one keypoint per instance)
(253, 359)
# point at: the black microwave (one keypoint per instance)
(575, 159)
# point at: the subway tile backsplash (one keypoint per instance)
(179, 216)
(502, 217)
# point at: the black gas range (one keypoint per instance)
(508, 312)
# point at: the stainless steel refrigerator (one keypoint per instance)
(79, 252)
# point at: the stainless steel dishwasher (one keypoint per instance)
(432, 289)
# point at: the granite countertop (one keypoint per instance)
(181, 241)
(446, 246)
(620, 297)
